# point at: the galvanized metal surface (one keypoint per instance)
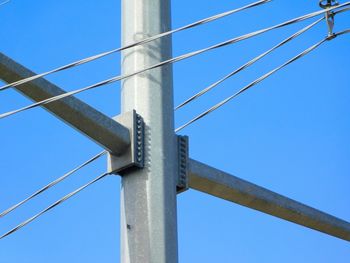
(100, 128)
(134, 156)
(182, 163)
(223, 185)
(148, 196)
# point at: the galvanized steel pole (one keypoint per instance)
(148, 196)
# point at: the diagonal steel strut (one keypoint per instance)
(226, 186)
(105, 131)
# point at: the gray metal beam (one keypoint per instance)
(148, 196)
(223, 185)
(108, 133)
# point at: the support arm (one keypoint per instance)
(108, 133)
(223, 185)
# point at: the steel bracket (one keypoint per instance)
(133, 157)
(182, 149)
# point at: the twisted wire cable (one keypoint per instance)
(58, 180)
(58, 202)
(5, 2)
(342, 10)
(170, 61)
(343, 32)
(248, 64)
(144, 41)
(263, 77)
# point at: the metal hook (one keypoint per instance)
(328, 3)
(325, 4)
(330, 22)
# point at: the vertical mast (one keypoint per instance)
(148, 196)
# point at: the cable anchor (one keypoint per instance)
(325, 4)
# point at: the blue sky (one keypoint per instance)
(289, 134)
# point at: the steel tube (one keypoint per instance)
(148, 196)
(108, 133)
(226, 186)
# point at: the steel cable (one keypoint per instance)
(170, 61)
(343, 32)
(255, 82)
(342, 10)
(5, 2)
(248, 64)
(58, 202)
(43, 189)
(144, 41)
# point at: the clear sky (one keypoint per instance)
(289, 134)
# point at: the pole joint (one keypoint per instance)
(182, 178)
(133, 157)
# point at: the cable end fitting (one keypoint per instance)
(331, 36)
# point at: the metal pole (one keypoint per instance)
(148, 196)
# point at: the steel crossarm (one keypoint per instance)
(226, 186)
(105, 131)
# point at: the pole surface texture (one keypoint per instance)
(148, 196)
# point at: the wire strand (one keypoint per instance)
(5, 2)
(58, 202)
(246, 65)
(45, 188)
(343, 32)
(342, 10)
(147, 40)
(169, 61)
(255, 82)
